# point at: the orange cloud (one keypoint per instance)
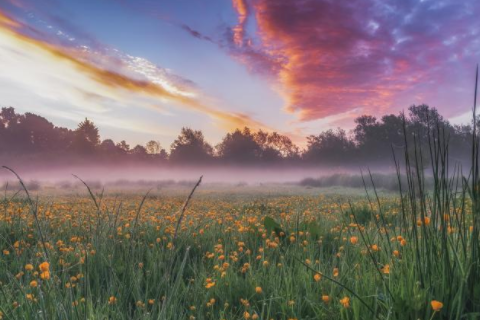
(241, 8)
(7, 22)
(117, 83)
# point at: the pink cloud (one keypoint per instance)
(334, 56)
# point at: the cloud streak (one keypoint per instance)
(83, 76)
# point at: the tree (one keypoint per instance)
(282, 144)
(139, 152)
(330, 147)
(109, 148)
(153, 147)
(87, 137)
(239, 147)
(123, 146)
(190, 147)
(365, 130)
(39, 132)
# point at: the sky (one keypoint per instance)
(143, 69)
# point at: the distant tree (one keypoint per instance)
(190, 147)
(28, 133)
(139, 152)
(155, 150)
(366, 130)
(65, 139)
(281, 144)
(270, 155)
(239, 147)
(8, 117)
(9, 137)
(244, 146)
(109, 148)
(39, 132)
(163, 155)
(423, 115)
(153, 147)
(330, 147)
(87, 137)
(123, 146)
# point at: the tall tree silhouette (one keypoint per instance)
(190, 147)
(139, 152)
(275, 146)
(86, 138)
(239, 147)
(330, 147)
(123, 147)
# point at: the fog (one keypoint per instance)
(125, 175)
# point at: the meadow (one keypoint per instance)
(266, 252)
(249, 252)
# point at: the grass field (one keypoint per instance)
(280, 253)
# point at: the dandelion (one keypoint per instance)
(354, 240)
(345, 302)
(426, 221)
(386, 269)
(335, 272)
(436, 305)
(209, 283)
(44, 266)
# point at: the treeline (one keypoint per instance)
(29, 137)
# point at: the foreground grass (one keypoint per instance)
(114, 258)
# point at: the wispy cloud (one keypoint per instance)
(85, 77)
